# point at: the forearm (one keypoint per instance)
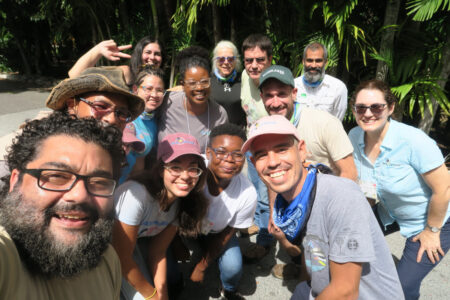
(215, 246)
(159, 271)
(332, 292)
(291, 249)
(437, 209)
(438, 180)
(131, 273)
(89, 59)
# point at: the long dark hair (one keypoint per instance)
(136, 57)
(191, 209)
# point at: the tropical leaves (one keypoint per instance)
(424, 10)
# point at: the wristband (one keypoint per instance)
(151, 296)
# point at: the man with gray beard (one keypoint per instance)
(317, 89)
(56, 211)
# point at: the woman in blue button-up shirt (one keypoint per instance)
(403, 168)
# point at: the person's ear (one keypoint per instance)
(252, 159)
(72, 106)
(391, 109)
(301, 146)
(294, 93)
(13, 179)
(208, 153)
(135, 88)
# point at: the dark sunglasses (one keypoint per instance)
(222, 59)
(101, 109)
(259, 60)
(376, 108)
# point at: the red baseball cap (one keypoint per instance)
(177, 144)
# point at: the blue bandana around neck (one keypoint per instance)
(290, 217)
(311, 84)
(230, 78)
(148, 115)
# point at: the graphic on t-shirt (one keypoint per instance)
(346, 240)
(317, 259)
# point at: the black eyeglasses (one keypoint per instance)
(259, 60)
(222, 154)
(222, 59)
(177, 171)
(101, 109)
(62, 181)
(376, 108)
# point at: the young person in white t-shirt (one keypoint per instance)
(232, 206)
(151, 207)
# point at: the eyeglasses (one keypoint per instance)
(376, 108)
(177, 171)
(222, 154)
(63, 181)
(259, 60)
(102, 109)
(149, 90)
(222, 59)
(204, 83)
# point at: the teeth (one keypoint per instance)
(70, 217)
(277, 174)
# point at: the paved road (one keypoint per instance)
(18, 104)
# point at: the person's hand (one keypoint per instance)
(111, 51)
(198, 273)
(271, 225)
(430, 243)
(277, 233)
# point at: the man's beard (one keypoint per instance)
(41, 252)
(314, 77)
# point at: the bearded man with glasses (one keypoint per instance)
(56, 211)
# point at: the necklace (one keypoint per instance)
(187, 119)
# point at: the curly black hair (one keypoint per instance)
(26, 145)
(227, 129)
(194, 56)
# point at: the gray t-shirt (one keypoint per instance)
(342, 228)
(174, 118)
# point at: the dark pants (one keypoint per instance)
(409, 271)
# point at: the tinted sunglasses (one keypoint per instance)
(376, 108)
(222, 59)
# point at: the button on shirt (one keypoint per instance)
(330, 96)
(405, 154)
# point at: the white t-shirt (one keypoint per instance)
(234, 207)
(330, 96)
(135, 206)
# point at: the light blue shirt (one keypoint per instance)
(405, 154)
(145, 126)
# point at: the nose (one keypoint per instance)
(273, 160)
(254, 64)
(78, 193)
(184, 175)
(111, 119)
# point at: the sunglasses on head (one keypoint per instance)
(376, 108)
(222, 59)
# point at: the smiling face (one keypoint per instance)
(256, 61)
(314, 65)
(372, 122)
(151, 55)
(227, 167)
(278, 160)
(183, 184)
(196, 93)
(226, 67)
(152, 91)
(278, 98)
(104, 100)
(65, 217)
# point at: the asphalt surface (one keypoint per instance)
(20, 101)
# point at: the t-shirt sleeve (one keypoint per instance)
(244, 215)
(129, 202)
(349, 232)
(425, 154)
(335, 138)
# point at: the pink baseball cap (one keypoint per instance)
(275, 124)
(177, 144)
(129, 137)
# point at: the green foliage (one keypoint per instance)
(424, 10)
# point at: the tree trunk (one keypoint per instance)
(233, 32)
(387, 40)
(428, 117)
(26, 65)
(216, 23)
(155, 19)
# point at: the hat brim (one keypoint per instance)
(93, 82)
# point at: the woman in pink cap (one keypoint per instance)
(149, 210)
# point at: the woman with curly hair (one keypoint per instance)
(149, 210)
(146, 53)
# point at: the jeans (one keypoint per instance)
(262, 213)
(229, 262)
(409, 271)
(140, 256)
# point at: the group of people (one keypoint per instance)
(157, 173)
